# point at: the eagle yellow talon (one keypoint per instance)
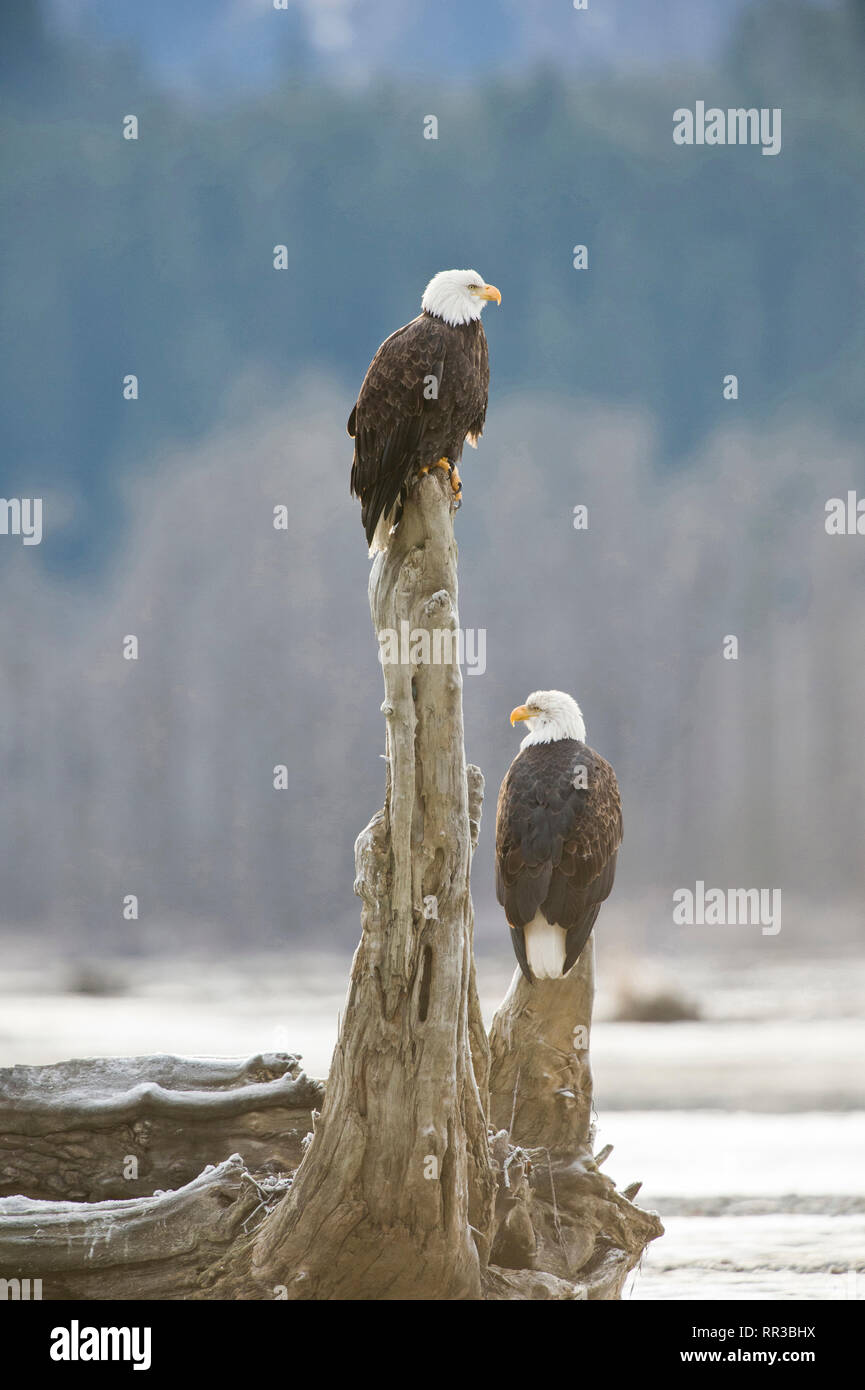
(439, 463)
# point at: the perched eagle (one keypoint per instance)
(424, 394)
(558, 830)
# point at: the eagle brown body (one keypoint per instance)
(556, 842)
(424, 392)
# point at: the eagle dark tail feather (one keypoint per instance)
(379, 502)
(518, 937)
(576, 938)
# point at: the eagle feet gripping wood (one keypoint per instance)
(456, 481)
(456, 485)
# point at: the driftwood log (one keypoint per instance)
(123, 1127)
(438, 1163)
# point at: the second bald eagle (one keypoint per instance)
(558, 831)
(424, 395)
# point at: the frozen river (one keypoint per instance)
(747, 1128)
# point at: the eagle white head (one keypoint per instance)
(550, 715)
(458, 296)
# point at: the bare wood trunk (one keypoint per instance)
(380, 1207)
(541, 1082)
(560, 1213)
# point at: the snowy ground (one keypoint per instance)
(755, 1257)
(747, 1128)
(754, 1206)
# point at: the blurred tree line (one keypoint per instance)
(155, 256)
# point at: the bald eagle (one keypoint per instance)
(424, 394)
(558, 831)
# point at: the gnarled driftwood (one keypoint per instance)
(431, 1174)
(122, 1127)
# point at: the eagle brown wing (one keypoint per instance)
(397, 422)
(557, 841)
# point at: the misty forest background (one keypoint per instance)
(155, 777)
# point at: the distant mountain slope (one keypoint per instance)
(247, 40)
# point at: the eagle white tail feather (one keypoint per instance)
(381, 535)
(545, 948)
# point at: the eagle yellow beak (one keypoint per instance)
(521, 712)
(490, 292)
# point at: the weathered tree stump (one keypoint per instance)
(563, 1215)
(429, 1174)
